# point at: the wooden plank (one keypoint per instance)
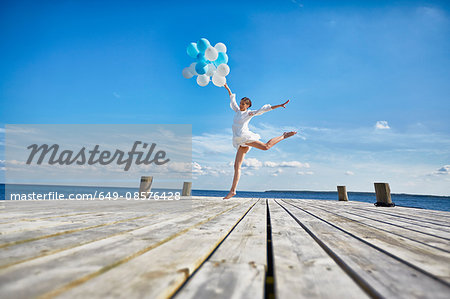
(433, 261)
(302, 268)
(247, 243)
(414, 218)
(37, 248)
(421, 233)
(379, 273)
(23, 252)
(128, 213)
(422, 215)
(15, 210)
(425, 236)
(57, 270)
(14, 218)
(227, 280)
(33, 225)
(159, 272)
(237, 268)
(45, 246)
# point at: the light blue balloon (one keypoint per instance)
(201, 58)
(201, 68)
(192, 50)
(202, 45)
(222, 58)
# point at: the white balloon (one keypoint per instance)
(218, 80)
(202, 80)
(221, 47)
(192, 68)
(211, 53)
(187, 73)
(211, 70)
(223, 69)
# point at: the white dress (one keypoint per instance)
(241, 133)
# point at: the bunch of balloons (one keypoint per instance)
(210, 62)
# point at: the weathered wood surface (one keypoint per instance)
(237, 268)
(209, 248)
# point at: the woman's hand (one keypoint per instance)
(283, 105)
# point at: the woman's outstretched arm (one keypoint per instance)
(233, 104)
(281, 105)
(267, 107)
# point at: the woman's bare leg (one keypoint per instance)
(237, 170)
(271, 142)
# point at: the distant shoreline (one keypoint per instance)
(353, 192)
(266, 191)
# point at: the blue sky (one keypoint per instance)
(346, 66)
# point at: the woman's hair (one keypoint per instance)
(247, 101)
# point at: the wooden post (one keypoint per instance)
(383, 194)
(342, 193)
(146, 186)
(186, 189)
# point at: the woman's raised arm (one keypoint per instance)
(233, 104)
(229, 90)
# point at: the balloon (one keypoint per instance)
(202, 80)
(221, 47)
(211, 53)
(192, 50)
(201, 68)
(202, 45)
(222, 58)
(219, 80)
(210, 63)
(192, 68)
(201, 57)
(223, 69)
(211, 70)
(187, 73)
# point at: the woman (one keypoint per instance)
(243, 138)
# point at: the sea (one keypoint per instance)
(429, 202)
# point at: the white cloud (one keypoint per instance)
(116, 95)
(382, 125)
(348, 172)
(305, 173)
(268, 131)
(444, 170)
(252, 162)
(431, 12)
(296, 164)
(218, 143)
(277, 172)
(216, 170)
(297, 3)
(255, 163)
(15, 162)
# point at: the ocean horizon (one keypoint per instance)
(430, 202)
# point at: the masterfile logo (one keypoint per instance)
(91, 157)
(97, 154)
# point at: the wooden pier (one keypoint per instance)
(205, 247)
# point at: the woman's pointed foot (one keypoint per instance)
(230, 195)
(289, 134)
